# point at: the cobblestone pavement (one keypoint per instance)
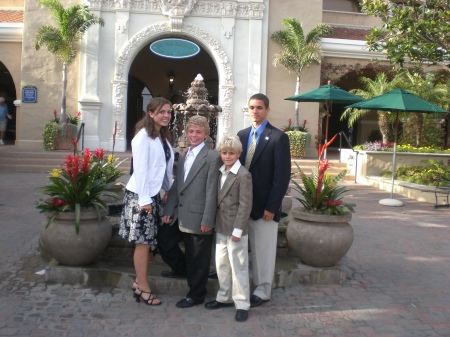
(398, 283)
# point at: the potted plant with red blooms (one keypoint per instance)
(107, 168)
(320, 233)
(57, 136)
(75, 230)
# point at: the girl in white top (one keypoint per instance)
(142, 206)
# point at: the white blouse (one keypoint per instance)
(150, 171)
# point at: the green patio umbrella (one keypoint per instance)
(327, 94)
(397, 100)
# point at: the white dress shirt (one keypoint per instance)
(190, 157)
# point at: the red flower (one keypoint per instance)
(333, 203)
(99, 154)
(58, 202)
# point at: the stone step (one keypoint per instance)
(115, 269)
(17, 160)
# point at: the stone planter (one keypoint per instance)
(62, 141)
(117, 188)
(319, 240)
(61, 242)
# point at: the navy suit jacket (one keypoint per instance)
(270, 169)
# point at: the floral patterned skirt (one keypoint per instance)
(136, 225)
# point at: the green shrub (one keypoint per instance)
(298, 141)
(429, 174)
(49, 136)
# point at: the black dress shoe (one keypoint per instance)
(172, 274)
(217, 305)
(241, 315)
(256, 301)
(187, 302)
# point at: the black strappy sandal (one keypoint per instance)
(134, 289)
(150, 299)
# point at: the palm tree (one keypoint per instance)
(298, 51)
(373, 88)
(62, 40)
(425, 88)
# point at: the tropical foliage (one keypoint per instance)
(414, 30)
(417, 128)
(298, 51)
(374, 87)
(432, 173)
(380, 146)
(106, 168)
(62, 40)
(74, 187)
(321, 193)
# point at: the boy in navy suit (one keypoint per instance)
(266, 154)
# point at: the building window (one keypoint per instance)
(342, 5)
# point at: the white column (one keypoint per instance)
(119, 101)
(89, 101)
(255, 57)
(226, 95)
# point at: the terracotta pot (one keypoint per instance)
(61, 242)
(319, 240)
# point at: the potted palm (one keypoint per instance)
(75, 231)
(319, 232)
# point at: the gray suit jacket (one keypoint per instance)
(194, 201)
(234, 202)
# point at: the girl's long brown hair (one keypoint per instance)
(146, 122)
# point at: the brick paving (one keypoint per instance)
(398, 283)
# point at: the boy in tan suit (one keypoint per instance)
(233, 211)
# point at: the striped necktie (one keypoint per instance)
(251, 151)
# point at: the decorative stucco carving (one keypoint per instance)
(137, 42)
(119, 108)
(177, 7)
(121, 21)
(152, 6)
(228, 27)
(181, 8)
(227, 93)
(229, 8)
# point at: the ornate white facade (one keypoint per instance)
(108, 53)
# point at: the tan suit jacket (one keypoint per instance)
(234, 202)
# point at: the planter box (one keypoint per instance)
(372, 163)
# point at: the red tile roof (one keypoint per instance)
(15, 16)
(349, 33)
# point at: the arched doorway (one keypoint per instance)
(8, 91)
(152, 75)
(136, 44)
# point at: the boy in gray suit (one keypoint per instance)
(193, 200)
(234, 207)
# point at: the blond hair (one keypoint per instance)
(200, 121)
(230, 143)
